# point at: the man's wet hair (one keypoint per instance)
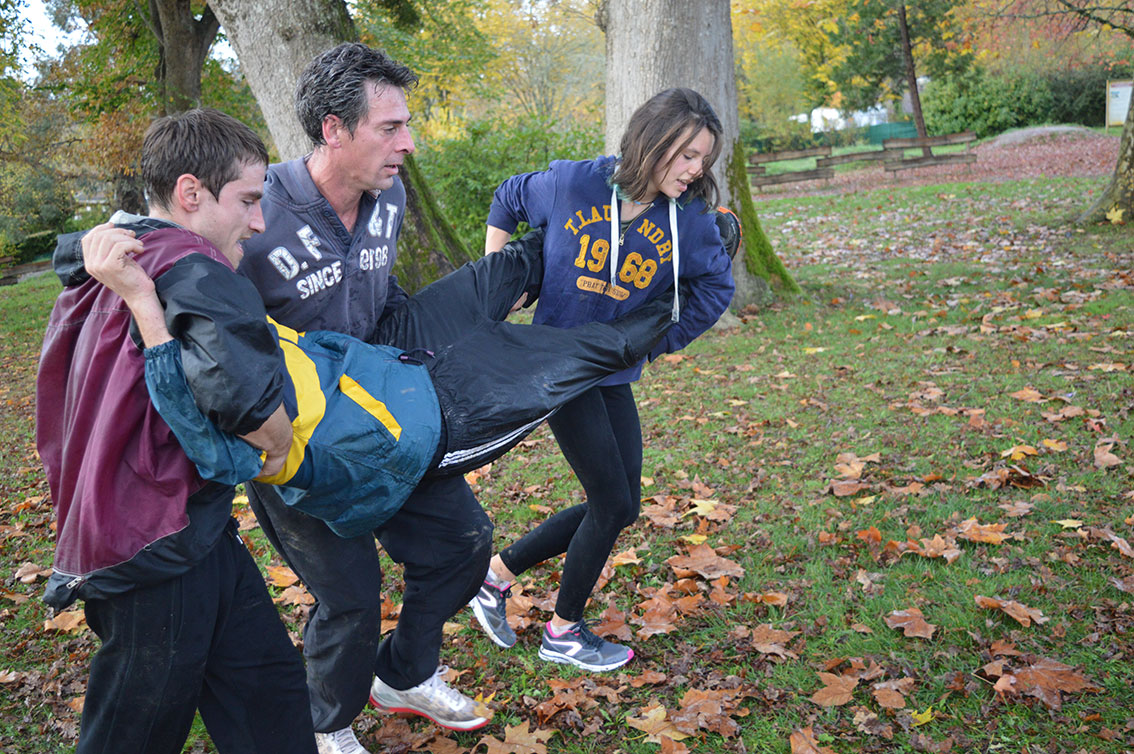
(208, 144)
(336, 83)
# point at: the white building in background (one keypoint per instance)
(829, 119)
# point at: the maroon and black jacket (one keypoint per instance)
(130, 506)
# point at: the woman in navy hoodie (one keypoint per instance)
(619, 231)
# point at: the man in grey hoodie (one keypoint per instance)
(332, 220)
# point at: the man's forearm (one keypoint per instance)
(274, 438)
(150, 319)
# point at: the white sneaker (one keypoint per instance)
(433, 699)
(338, 742)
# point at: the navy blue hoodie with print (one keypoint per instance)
(571, 200)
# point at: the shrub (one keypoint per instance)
(1079, 94)
(33, 204)
(30, 248)
(463, 173)
(775, 136)
(986, 103)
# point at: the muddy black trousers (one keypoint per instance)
(209, 639)
(443, 539)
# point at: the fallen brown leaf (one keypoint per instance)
(975, 531)
(891, 694)
(629, 557)
(706, 710)
(870, 724)
(654, 723)
(294, 595)
(845, 487)
(648, 678)
(281, 576)
(70, 622)
(669, 746)
(29, 572)
(1024, 615)
(770, 640)
(803, 742)
(1104, 458)
(1047, 679)
(837, 690)
(612, 622)
(911, 622)
(1029, 395)
(702, 559)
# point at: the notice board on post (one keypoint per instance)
(1117, 101)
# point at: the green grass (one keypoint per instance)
(924, 309)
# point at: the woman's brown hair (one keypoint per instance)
(651, 133)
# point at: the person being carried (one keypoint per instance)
(620, 231)
(449, 394)
(183, 613)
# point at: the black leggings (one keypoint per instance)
(601, 437)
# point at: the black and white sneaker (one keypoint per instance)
(578, 646)
(490, 606)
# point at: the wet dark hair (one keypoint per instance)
(335, 83)
(205, 143)
(653, 130)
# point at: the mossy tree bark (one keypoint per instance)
(760, 261)
(1116, 202)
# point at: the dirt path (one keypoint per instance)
(1046, 151)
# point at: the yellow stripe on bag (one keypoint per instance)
(370, 405)
(312, 405)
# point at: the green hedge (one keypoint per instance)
(985, 103)
(463, 173)
(1079, 95)
(988, 102)
(29, 248)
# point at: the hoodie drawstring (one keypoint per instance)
(675, 316)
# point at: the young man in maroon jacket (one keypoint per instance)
(185, 619)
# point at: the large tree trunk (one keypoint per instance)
(1116, 202)
(129, 193)
(655, 44)
(184, 43)
(274, 40)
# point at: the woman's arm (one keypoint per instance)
(495, 238)
(707, 274)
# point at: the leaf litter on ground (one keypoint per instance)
(906, 437)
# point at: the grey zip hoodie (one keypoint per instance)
(312, 273)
